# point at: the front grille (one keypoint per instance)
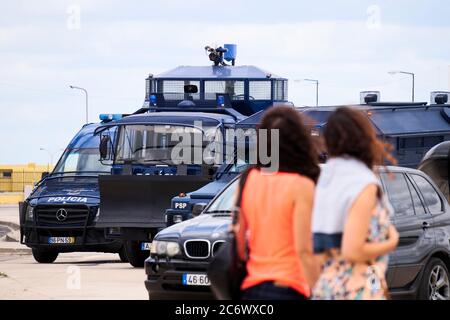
(48, 215)
(197, 249)
(216, 247)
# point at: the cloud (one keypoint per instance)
(40, 57)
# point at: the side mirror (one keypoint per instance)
(104, 147)
(44, 175)
(190, 88)
(198, 209)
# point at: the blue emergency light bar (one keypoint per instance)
(220, 101)
(109, 117)
(153, 100)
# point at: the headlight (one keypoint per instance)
(165, 248)
(177, 218)
(173, 249)
(29, 215)
(97, 215)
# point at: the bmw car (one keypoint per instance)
(419, 268)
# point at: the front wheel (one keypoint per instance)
(136, 256)
(435, 281)
(44, 256)
(123, 254)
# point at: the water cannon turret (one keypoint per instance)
(218, 55)
(367, 97)
(440, 97)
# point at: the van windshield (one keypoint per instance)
(82, 157)
(225, 202)
(155, 143)
(81, 160)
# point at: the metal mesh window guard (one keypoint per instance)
(285, 90)
(279, 94)
(261, 90)
(177, 87)
(150, 87)
(235, 89)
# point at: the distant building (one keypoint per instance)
(18, 180)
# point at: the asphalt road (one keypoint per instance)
(73, 276)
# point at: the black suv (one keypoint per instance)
(418, 269)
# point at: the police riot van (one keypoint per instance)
(201, 103)
(188, 205)
(59, 215)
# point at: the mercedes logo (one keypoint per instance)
(61, 215)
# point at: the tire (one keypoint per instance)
(435, 281)
(136, 257)
(123, 254)
(44, 256)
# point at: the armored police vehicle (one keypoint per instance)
(60, 214)
(436, 164)
(178, 143)
(411, 128)
(188, 205)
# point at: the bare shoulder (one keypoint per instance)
(304, 187)
(370, 190)
(305, 182)
(367, 197)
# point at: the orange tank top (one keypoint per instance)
(268, 208)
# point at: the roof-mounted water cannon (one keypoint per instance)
(440, 97)
(218, 55)
(368, 97)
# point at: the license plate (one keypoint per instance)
(61, 240)
(195, 280)
(145, 246)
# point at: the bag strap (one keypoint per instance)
(238, 205)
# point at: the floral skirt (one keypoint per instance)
(342, 280)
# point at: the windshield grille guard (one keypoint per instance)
(150, 123)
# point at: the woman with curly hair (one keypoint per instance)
(274, 224)
(352, 231)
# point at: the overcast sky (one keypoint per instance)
(110, 46)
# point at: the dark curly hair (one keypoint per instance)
(297, 151)
(349, 132)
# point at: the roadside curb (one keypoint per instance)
(10, 224)
(15, 251)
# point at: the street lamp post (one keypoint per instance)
(449, 77)
(413, 80)
(51, 158)
(87, 98)
(317, 87)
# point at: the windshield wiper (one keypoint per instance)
(78, 173)
(144, 161)
(220, 211)
(163, 161)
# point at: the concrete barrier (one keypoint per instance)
(10, 198)
(14, 248)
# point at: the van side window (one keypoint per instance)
(432, 199)
(418, 205)
(398, 192)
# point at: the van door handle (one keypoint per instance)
(426, 225)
